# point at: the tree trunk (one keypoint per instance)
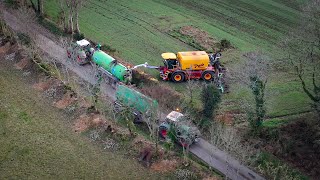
(63, 4)
(33, 6)
(40, 7)
(77, 21)
(70, 29)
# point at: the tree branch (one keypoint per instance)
(33, 6)
(304, 86)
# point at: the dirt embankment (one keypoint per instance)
(35, 131)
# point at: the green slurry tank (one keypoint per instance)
(111, 65)
(136, 100)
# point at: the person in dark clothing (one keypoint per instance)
(214, 61)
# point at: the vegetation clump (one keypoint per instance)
(210, 97)
(224, 44)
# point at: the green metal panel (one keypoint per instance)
(103, 59)
(134, 99)
(119, 70)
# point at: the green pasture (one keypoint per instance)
(37, 141)
(138, 29)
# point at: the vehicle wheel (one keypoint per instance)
(182, 142)
(177, 77)
(117, 107)
(208, 75)
(218, 55)
(68, 54)
(137, 117)
(163, 132)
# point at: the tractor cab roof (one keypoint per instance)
(168, 56)
(83, 42)
(174, 116)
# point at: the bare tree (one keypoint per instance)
(77, 6)
(38, 8)
(254, 74)
(151, 119)
(227, 138)
(64, 6)
(192, 86)
(303, 48)
(69, 15)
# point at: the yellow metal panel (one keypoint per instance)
(168, 56)
(195, 60)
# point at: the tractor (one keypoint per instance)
(83, 52)
(80, 51)
(175, 126)
(188, 65)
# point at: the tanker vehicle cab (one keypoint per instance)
(170, 60)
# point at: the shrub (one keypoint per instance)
(210, 97)
(78, 36)
(24, 38)
(223, 44)
(108, 48)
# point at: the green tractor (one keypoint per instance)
(177, 128)
(82, 52)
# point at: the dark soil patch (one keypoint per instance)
(66, 100)
(4, 49)
(86, 121)
(200, 37)
(42, 86)
(165, 165)
(23, 63)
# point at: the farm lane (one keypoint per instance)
(210, 154)
(57, 52)
(222, 161)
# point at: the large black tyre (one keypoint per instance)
(208, 75)
(177, 77)
(69, 54)
(182, 142)
(117, 107)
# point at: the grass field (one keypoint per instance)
(37, 141)
(138, 29)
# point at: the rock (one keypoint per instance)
(10, 57)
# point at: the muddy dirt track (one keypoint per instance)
(210, 154)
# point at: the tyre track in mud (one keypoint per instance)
(210, 154)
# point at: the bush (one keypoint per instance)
(24, 38)
(108, 49)
(224, 44)
(210, 97)
(78, 36)
(7, 33)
